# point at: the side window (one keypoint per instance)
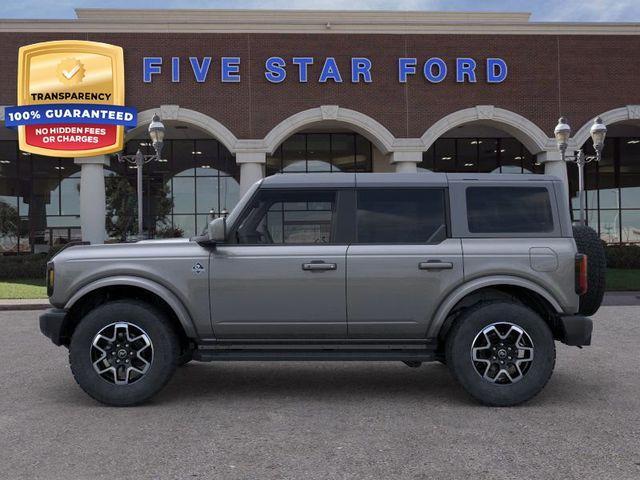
(509, 210)
(281, 217)
(401, 215)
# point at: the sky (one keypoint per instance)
(542, 10)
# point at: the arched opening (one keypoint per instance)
(196, 177)
(325, 149)
(328, 139)
(479, 147)
(612, 185)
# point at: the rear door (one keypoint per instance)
(402, 262)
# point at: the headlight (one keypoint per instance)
(50, 278)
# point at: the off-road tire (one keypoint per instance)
(166, 350)
(589, 243)
(458, 353)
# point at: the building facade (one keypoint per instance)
(251, 93)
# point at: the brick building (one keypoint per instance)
(251, 93)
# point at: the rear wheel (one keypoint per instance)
(501, 353)
(123, 352)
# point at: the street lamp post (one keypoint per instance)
(562, 133)
(156, 133)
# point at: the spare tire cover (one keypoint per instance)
(589, 243)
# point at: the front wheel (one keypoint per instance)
(502, 353)
(123, 352)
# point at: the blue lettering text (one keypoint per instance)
(275, 69)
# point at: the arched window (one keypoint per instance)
(479, 154)
(196, 177)
(322, 152)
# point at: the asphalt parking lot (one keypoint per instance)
(322, 420)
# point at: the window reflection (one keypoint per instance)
(612, 190)
(40, 196)
(321, 152)
(484, 155)
(196, 177)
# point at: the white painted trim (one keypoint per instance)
(312, 21)
(629, 112)
(274, 16)
(532, 136)
(382, 138)
(200, 120)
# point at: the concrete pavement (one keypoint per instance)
(322, 420)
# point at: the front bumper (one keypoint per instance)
(575, 330)
(52, 323)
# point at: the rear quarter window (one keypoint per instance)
(509, 210)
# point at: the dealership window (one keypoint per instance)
(484, 155)
(194, 178)
(40, 196)
(612, 190)
(39, 200)
(321, 152)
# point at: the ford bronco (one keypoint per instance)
(481, 272)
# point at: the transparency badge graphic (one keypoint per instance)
(70, 99)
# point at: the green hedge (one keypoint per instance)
(14, 267)
(623, 256)
(23, 266)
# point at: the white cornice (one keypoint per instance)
(297, 16)
(322, 21)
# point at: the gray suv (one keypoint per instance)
(478, 271)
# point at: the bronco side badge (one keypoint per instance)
(197, 268)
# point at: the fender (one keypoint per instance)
(473, 285)
(174, 303)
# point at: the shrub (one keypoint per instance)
(623, 256)
(14, 267)
(169, 232)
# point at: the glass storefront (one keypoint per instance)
(486, 155)
(322, 152)
(195, 178)
(39, 200)
(612, 190)
(40, 196)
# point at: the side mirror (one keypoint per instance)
(218, 230)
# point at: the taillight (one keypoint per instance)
(581, 274)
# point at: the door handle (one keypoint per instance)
(319, 266)
(435, 265)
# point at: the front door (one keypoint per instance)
(282, 275)
(401, 264)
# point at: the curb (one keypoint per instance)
(24, 305)
(619, 299)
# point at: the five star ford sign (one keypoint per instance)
(71, 99)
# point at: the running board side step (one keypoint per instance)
(341, 354)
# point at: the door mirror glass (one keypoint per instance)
(218, 230)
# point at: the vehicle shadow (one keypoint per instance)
(333, 382)
(299, 381)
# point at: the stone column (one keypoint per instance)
(406, 162)
(251, 168)
(92, 198)
(553, 165)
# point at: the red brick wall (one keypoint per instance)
(577, 76)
